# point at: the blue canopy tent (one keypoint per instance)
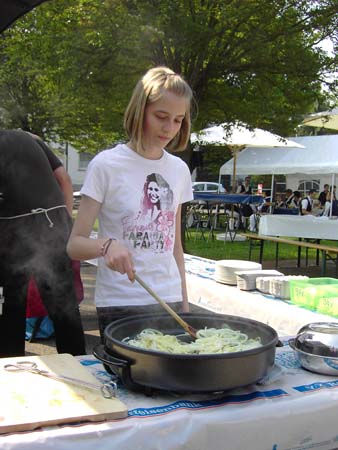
(228, 198)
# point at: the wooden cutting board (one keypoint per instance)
(29, 401)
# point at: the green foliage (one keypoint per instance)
(211, 158)
(68, 67)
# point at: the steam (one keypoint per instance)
(35, 250)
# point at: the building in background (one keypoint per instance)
(75, 162)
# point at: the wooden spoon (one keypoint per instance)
(188, 328)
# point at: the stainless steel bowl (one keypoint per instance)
(316, 345)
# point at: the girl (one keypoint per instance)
(117, 180)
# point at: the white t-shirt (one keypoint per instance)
(139, 200)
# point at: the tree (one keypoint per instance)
(255, 61)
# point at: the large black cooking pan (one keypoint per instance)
(139, 368)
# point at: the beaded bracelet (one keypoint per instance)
(105, 246)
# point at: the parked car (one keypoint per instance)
(207, 186)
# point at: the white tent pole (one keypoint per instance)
(331, 199)
(219, 179)
(234, 155)
(235, 149)
(272, 185)
(272, 193)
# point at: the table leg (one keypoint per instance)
(226, 233)
(299, 254)
(261, 250)
(199, 227)
(277, 255)
(316, 241)
(211, 232)
(233, 235)
(323, 262)
(250, 248)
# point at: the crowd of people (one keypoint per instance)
(290, 202)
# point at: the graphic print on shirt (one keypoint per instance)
(153, 225)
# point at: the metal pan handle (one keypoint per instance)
(100, 353)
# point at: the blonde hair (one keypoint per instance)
(148, 90)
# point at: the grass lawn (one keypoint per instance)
(214, 249)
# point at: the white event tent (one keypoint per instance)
(320, 156)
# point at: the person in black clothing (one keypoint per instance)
(328, 209)
(264, 207)
(34, 230)
(323, 195)
(334, 193)
(245, 188)
(288, 198)
(307, 203)
(247, 185)
(296, 200)
(279, 202)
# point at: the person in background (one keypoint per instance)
(288, 197)
(36, 313)
(157, 120)
(264, 207)
(261, 209)
(296, 200)
(327, 207)
(323, 195)
(245, 188)
(328, 197)
(59, 172)
(307, 203)
(280, 202)
(248, 185)
(240, 187)
(34, 228)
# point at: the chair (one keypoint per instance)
(229, 227)
(254, 222)
(195, 220)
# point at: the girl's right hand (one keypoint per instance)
(119, 258)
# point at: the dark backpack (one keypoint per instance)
(246, 210)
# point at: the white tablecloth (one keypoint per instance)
(296, 412)
(204, 291)
(298, 226)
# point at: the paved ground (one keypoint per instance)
(88, 312)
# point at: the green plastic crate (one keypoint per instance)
(316, 294)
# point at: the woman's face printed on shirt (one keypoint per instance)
(153, 192)
(153, 225)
